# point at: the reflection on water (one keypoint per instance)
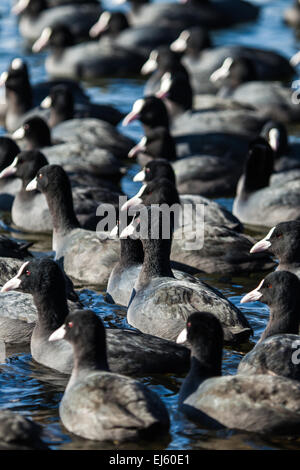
(34, 391)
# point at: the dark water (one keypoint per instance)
(34, 391)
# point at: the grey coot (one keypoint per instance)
(214, 175)
(128, 351)
(283, 241)
(209, 137)
(21, 96)
(224, 249)
(30, 211)
(160, 303)
(193, 12)
(19, 433)
(256, 403)
(95, 396)
(9, 187)
(81, 145)
(276, 351)
(87, 256)
(35, 15)
(256, 201)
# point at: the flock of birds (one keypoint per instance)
(214, 121)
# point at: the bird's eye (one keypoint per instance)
(189, 324)
(40, 176)
(147, 170)
(27, 272)
(269, 286)
(70, 324)
(279, 235)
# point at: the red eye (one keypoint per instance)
(189, 324)
(70, 324)
(40, 176)
(147, 170)
(279, 235)
(270, 286)
(27, 273)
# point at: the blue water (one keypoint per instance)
(34, 391)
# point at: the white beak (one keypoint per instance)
(58, 334)
(46, 103)
(254, 295)
(101, 25)
(135, 200)
(19, 134)
(42, 41)
(263, 244)
(3, 78)
(15, 282)
(16, 63)
(128, 231)
(182, 337)
(295, 59)
(19, 7)
(274, 137)
(151, 64)
(223, 71)
(32, 185)
(134, 113)
(165, 85)
(140, 147)
(114, 232)
(180, 44)
(9, 170)
(140, 176)
(12, 284)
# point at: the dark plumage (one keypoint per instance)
(19, 433)
(39, 14)
(95, 396)
(21, 96)
(256, 201)
(259, 403)
(30, 211)
(276, 353)
(87, 256)
(283, 241)
(128, 351)
(157, 290)
(63, 107)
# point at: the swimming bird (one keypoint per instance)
(224, 248)
(35, 15)
(128, 351)
(96, 396)
(283, 241)
(275, 353)
(30, 211)
(160, 303)
(21, 96)
(19, 433)
(262, 404)
(256, 201)
(87, 256)
(9, 187)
